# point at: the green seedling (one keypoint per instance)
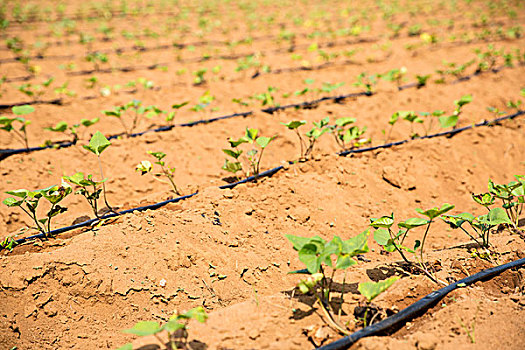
(267, 98)
(6, 123)
(253, 156)
(88, 188)
(8, 243)
(422, 80)
(177, 322)
(145, 167)
(371, 290)
(452, 120)
(454, 69)
(488, 58)
(199, 76)
(97, 145)
(72, 130)
(319, 255)
(313, 134)
(171, 115)
(28, 202)
(64, 90)
(35, 91)
(97, 58)
(431, 117)
(385, 237)
(409, 116)
(367, 82)
(205, 100)
(348, 136)
(135, 108)
(395, 75)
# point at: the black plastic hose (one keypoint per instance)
(143, 208)
(4, 153)
(418, 307)
(266, 173)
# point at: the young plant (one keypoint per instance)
(319, 256)
(177, 322)
(267, 98)
(35, 91)
(367, 82)
(97, 145)
(171, 115)
(385, 237)
(253, 156)
(371, 290)
(452, 120)
(96, 58)
(348, 136)
(28, 202)
(8, 243)
(395, 75)
(422, 80)
(145, 167)
(205, 100)
(6, 123)
(72, 130)
(135, 108)
(312, 135)
(89, 189)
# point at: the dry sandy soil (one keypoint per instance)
(81, 288)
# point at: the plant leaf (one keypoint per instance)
(370, 290)
(23, 110)
(143, 328)
(98, 143)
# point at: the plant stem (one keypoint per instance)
(104, 187)
(397, 248)
(258, 162)
(301, 142)
(170, 178)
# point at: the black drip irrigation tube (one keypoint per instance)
(4, 153)
(418, 308)
(449, 133)
(155, 206)
(55, 101)
(267, 173)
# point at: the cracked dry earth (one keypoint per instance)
(81, 289)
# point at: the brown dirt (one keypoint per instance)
(82, 288)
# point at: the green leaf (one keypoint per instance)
(263, 141)
(435, 212)
(381, 236)
(344, 262)
(342, 122)
(11, 202)
(251, 134)
(158, 155)
(88, 122)
(127, 346)
(232, 167)
(22, 193)
(294, 124)
(298, 241)
(484, 199)
(385, 221)
(356, 245)
(235, 143)
(60, 127)
(448, 121)
(98, 143)
(179, 105)
(143, 328)
(233, 153)
(309, 255)
(463, 100)
(370, 290)
(412, 223)
(198, 313)
(173, 325)
(23, 110)
(498, 216)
